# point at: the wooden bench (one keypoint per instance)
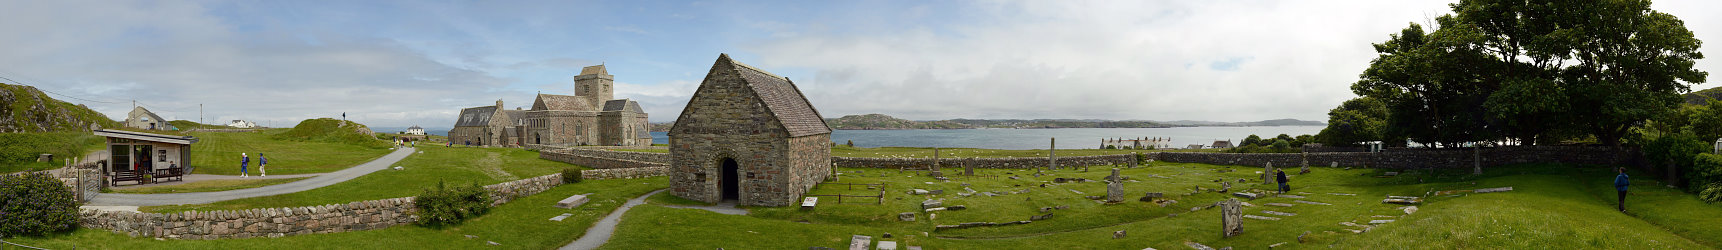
(120, 176)
(176, 174)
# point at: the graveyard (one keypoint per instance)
(1549, 206)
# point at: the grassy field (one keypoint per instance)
(520, 224)
(18, 151)
(218, 153)
(1552, 207)
(906, 152)
(207, 186)
(452, 165)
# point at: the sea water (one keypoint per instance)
(1068, 138)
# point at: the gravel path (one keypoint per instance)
(601, 231)
(322, 180)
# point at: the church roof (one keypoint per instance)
(559, 102)
(782, 99)
(594, 70)
(475, 116)
(623, 105)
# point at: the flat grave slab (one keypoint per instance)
(560, 217)
(573, 201)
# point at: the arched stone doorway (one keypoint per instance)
(731, 182)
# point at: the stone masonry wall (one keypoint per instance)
(277, 222)
(624, 173)
(998, 163)
(1422, 158)
(583, 158)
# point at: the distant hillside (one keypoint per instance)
(1275, 122)
(662, 127)
(1057, 123)
(879, 121)
(332, 130)
(26, 109)
(1699, 97)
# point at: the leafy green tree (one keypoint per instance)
(1357, 120)
(1303, 139)
(1705, 121)
(1252, 140)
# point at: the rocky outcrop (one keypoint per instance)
(24, 109)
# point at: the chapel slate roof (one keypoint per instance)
(518, 117)
(623, 105)
(560, 102)
(783, 100)
(593, 70)
(475, 116)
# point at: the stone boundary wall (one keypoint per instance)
(624, 173)
(543, 147)
(622, 155)
(595, 162)
(997, 163)
(226, 130)
(1401, 158)
(277, 222)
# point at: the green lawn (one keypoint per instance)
(18, 151)
(218, 153)
(1552, 206)
(520, 224)
(207, 186)
(453, 165)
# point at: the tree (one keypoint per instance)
(1252, 140)
(1706, 121)
(1531, 70)
(1357, 120)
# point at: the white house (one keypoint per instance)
(416, 130)
(242, 124)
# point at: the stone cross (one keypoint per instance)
(1268, 173)
(1477, 159)
(1052, 154)
(969, 167)
(1133, 158)
(1231, 218)
(1114, 189)
(935, 159)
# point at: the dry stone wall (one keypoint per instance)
(1421, 158)
(585, 158)
(277, 222)
(996, 163)
(624, 173)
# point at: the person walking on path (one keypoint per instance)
(1620, 184)
(243, 159)
(1280, 176)
(262, 162)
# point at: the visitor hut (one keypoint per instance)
(132, 155)
(749, 136)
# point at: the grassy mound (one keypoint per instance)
(18, 151)
(334, 131)
(189, 125)
(29, 110)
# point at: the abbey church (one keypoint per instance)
(589, 117)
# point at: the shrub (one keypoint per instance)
(571, 176)
(1677, 151)
(444, 205)
(1706, 172)
(34, 204)
(1711, 194)
(1282, 146)
(1111, 147)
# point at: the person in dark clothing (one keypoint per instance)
(1620, 184)
(1280, 176)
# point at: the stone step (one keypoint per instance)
(1259, 217)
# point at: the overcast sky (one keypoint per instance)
(397, 64)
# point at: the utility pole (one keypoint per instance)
(200, 114)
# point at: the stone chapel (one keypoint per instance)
(749, 136)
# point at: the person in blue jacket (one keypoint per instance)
(1620, 184)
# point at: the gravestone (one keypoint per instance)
(808, 203)
(1115, 188)
(887, 245)
(1133, 158)
(969, 167)
(1231, 218)
(1268, 173)
(1118, 235)
(906, 216)
(931, 204)
(860, 242)
(572, 201)
(1052, 154)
